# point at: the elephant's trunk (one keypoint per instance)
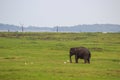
(70, 59)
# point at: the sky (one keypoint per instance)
(50, 13)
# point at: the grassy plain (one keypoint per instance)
(41, 56)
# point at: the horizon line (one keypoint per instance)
(61, 25)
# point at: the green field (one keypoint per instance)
(41, 56)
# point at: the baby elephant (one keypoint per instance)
(80, 52)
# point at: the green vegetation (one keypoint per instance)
(41, 56)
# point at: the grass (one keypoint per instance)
(41, 56)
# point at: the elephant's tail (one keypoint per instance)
(89, 54)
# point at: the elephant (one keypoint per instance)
(80, 52)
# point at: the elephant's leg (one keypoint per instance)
(88, 60)
(76, 58)
(85, 61)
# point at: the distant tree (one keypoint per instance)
(22, 27)
(8, 30)
(56, 28)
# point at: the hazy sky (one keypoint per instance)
(59, 12)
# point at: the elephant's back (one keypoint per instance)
(83, 50)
